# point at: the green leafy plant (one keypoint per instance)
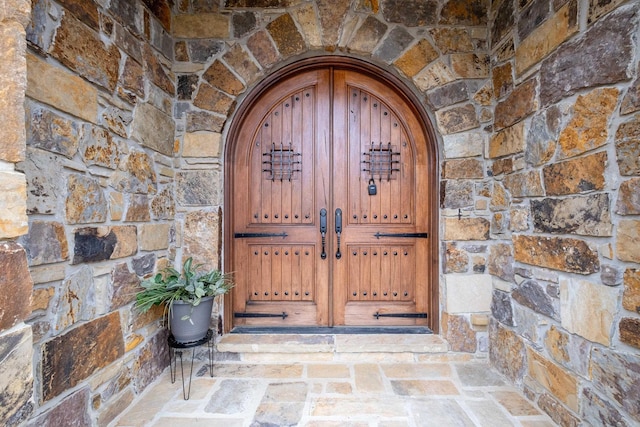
(189, 285)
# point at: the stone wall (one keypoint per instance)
(16, 381)
(100, 170)
(564, 156)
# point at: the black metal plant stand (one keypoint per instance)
(176, 349)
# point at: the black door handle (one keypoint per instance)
(338, 230)
(323, 231)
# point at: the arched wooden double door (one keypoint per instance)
(330, 203)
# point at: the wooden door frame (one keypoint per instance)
(394, 83)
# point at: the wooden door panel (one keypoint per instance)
(280, 178)
(377, 130)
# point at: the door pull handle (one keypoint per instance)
(323, 231)
(338, 230)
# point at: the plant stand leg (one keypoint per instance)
(172, 364)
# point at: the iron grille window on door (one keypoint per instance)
(281, 162)
(381, 161)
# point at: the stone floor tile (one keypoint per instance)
(384, 406)
(198, 422)
(368, 378)
(235, 396)
(339, 388)
(327, 370)
(475, 374)
(424, 387)
(488, 413)
(439, 412)
(278, 414)
(416, 370)
(153, 400)
(257, 371)
(515, 403)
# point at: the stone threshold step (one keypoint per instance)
(331, 343)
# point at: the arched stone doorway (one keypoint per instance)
(331, 197)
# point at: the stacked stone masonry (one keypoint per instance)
(114, 124)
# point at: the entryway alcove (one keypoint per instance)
(331, 195)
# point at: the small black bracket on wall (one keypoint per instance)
(459, 214)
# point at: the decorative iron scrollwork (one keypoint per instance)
(281, 162)
(381, 161)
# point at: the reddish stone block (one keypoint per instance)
(16, 285)
(70, 358)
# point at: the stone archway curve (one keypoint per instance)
(367, 68)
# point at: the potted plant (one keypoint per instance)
(187, 296)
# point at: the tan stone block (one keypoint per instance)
(133, 342)
(201, 237)
(416, 370)
(127, 241)
(479, 319)
(466, 229)
(18, 10)
(332, 14)
(210, 98)
(628, 241)
(631, 296)
(201, 26)
(435, 75)
(470, 65)
(83, 51)
(457, 119)
(41, 298)
(13, 81)
(242, 63)
(451, 40)
(367, 378)
(588, 309)
(564, 254)
(153, 128)
(154, 237)
(519, 104)
(116, 205)
(467, 144)
(544, 39)
(54, 86)
(416, 58)
(286, 36)
(588, 129)
(13, 199)
(576, 176)
(511, 140)
(262, 48)
(561, 383)
(48, 273)
(502, 76)
(220, 77)
(308, 21)
(328, 371)
(458, 332)
(202, 144)
(468, 293)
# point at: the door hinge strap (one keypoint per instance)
(254, 315)
(378, 315)
(253, 235)
(405, 235)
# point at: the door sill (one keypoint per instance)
(318, 330)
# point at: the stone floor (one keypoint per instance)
(334, 380)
